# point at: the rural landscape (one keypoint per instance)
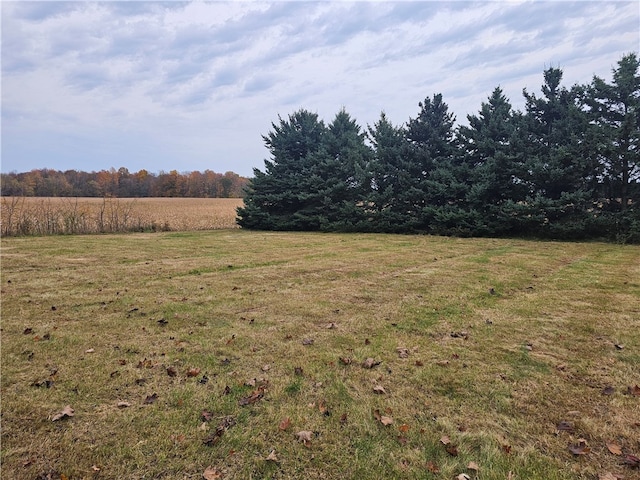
(227, 353)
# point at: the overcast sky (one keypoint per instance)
(194, 85)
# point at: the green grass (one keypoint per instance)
(505, 339)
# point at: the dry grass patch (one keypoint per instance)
(247, 352)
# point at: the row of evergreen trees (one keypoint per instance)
(567, 167)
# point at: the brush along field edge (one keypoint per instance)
(297, 355)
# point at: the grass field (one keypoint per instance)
(247, 355)
(62, 215)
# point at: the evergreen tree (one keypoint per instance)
(344, 172)
(496, 169)
(287, 196)
(393, 179)
(435, 168)
(615, 109)
(554, 140)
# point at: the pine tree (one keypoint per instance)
(287, 195)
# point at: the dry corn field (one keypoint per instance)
(57, 215)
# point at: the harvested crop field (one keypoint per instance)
(61, 215)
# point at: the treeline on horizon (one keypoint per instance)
(567, 167)
(122, 184)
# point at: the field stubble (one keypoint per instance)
(240, 354)
(63, 215)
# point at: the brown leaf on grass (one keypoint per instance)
(383, 419)
(402, 440)
(442, 363)
(345, 360)
(193, 372)
(419, 363)
(307, 341)
(635, 390)
(298, 371)
(27, 331)
(66, 412)
(225, 424)
(404, 428)
(473, 466)
(506, 449)
(256, 395)
(206, 416)
(284, 424)
(445, 440)
(632, 461)
(272, 457)
(123, 404)
(402, 352)
(150, 399)
(463, 476)
(266, 368)
(565, 426)
(172, 371)
(379, 389)
(370, 363)
(432, 467)
(211, 473)
(452, 450)
(305, 437)
(343, 419)
(614, 448)
(580, 448)
(610, 476)
(331, 326)
(146, 363)
(608, 390)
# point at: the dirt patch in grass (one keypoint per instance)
(281, 355)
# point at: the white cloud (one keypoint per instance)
(194, 85)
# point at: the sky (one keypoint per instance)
(193, 85)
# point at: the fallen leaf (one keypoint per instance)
(402, 440)
(225, 424)
(307, 341)
(193, 372)
(150, 399)
(172, 371)
(95, 468)
(206, 415)
(506, 449)
(298, 371)
(632, 461)
(386, 420)
(463, 476)
(90, 350)
(445, 440)
(343, 419)
(432, 467)
(272, 457)
(402, 352)
(211, 473)
(304, 437)
(27, 331)
(66, 412)
(473, 466)
(565, 426)
(609, 476)
(635, 391)
(608, 390)
(123, 404)
(345, 360)
(331, 326)
(619, 346)
(404, 428)
(370, 363)
(253, 398)
(615, 449)
(285, 423)
(452, 450)
(266, 368)
(379, 389)
(442, 363)
(580, 448)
